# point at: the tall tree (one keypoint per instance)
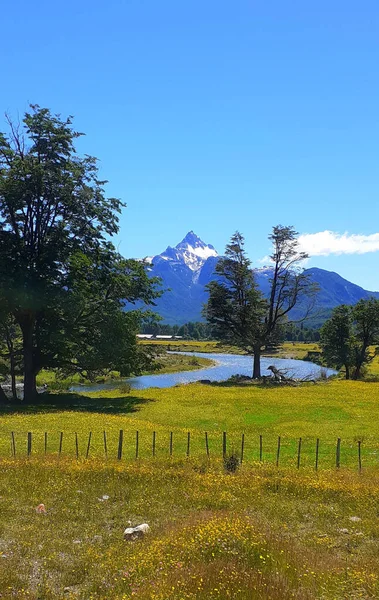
(365, 315)
(236, 308)
(337, 339)
(244, 316)
(347, 336)
(52, 209)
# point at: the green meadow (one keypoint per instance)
(261, 532)
(328, 411)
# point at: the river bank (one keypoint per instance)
(167, 363)
(223, 368)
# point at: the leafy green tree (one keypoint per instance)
(236, 308)
(337, 339)
(237, 311)
(365, 315)
(54, 214)
(347, 336)
(183, 331)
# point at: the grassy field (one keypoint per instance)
(261, 533)
(258, 534)
(297, 350)
(337, 409)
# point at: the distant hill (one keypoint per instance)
(187, 268)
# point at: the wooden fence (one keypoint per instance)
(18, 450)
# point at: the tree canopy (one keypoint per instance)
(236, 309)
(60, 276)
(347, 336)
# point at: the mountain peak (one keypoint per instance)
(193, 240)
(191, 251)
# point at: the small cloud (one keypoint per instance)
(327, 242)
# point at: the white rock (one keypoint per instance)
(132, 533)
(344, 530)
(103, 498)
(355, 519)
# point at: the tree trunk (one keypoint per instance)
(257, 363)
(347, 369)
(27, 328)
(3, 396)
(13, 377)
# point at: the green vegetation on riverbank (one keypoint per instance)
(167, 363)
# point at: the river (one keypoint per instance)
(226, 366)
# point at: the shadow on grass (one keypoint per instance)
(263, 383)
(76, 402)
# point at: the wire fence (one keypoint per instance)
(128, 445)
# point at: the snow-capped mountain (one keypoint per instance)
(191, 251)
(184, 269)
(188, 267)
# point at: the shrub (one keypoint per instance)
(231, 462)
(125, 388)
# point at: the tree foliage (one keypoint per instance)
(60, 276)
(337, 340)
(235, 307)
(347, 336)
(237, 310)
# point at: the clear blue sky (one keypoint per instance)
(215, 115)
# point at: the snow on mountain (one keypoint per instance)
(191, 251)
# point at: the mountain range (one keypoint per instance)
(186, 269)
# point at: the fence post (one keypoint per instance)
(298, 453)
(76, 445)
(154, 436)
(137, 443)
(60, 443)
(278, 452)
(89, 443)
(206, 444)
(338, 453)
(188, 442)
(45, 442)
(359, 456)
(224, 444)
(29, 443)
(242, 446)
(260, 448)
(120, 439)
(105, 444)
(13, 444)
(171, 434)
(317, 448)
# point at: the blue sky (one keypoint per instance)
(215, 116)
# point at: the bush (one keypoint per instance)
(125, 388)
(231, 462)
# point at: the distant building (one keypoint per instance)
(151, 336)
